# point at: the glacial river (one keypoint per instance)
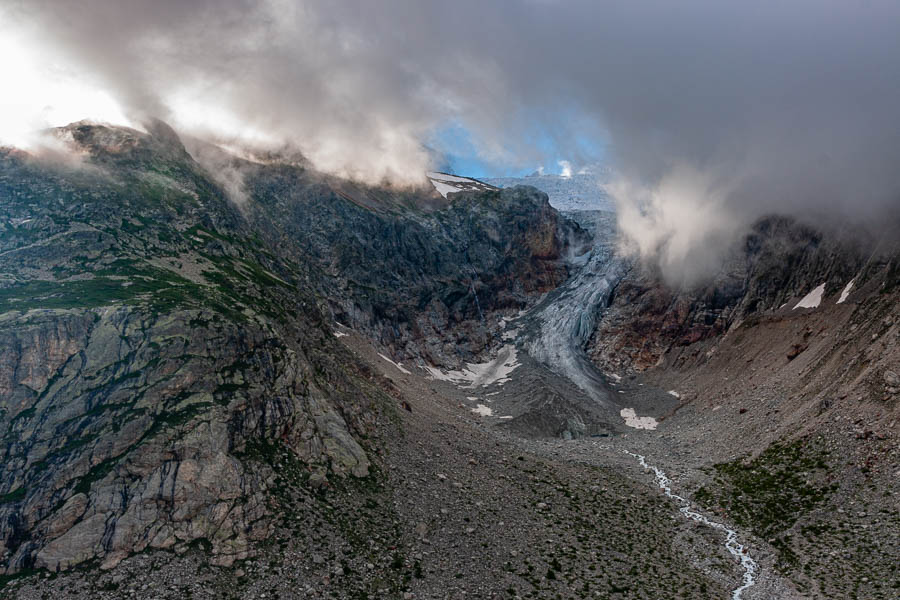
(731, 542)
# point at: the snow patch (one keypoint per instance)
(846, 292)
(481, 374)
(510, 335)
(443, 188)
(812, 299)
(446, 177)
(483, 411)
(449, 184)
(398, 365)
(632, 420)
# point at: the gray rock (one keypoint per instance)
(318, 480)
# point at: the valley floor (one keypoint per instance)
(468, 509)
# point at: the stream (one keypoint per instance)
(734, 547)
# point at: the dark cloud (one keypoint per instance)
(717, 112)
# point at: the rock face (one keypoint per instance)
(158, 340)
(778, 264)
(134, 438)
(421, 282)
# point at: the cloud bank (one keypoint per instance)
(715, 113)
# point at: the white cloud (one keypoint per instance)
(42, 92)
(685, 223)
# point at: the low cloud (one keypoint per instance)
(685, 223)
(713, 113)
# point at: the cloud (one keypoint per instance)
(715, 112)
(684, 223)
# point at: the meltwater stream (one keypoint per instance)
(731, 542)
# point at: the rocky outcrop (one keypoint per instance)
(149, 351)
(421, 282)
(134, 436)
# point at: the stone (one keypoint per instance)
(318, 480)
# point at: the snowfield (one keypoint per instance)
(481, 374)
(482, 410)
(579, 191)
(845, 293)
(398, 365)
(449, 184)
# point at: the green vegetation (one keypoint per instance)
(13, 496)
(95, 474)
(773, 490)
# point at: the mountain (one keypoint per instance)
(785, 367)
(163, 343)
(225, 377)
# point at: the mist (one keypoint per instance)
(714, 113)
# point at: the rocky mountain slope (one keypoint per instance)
(234, 378)
(163, 343)
(423, 283)
(786, 370)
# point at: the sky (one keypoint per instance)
(457, 153)
(711, 113)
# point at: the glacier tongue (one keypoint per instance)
(562, 323)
